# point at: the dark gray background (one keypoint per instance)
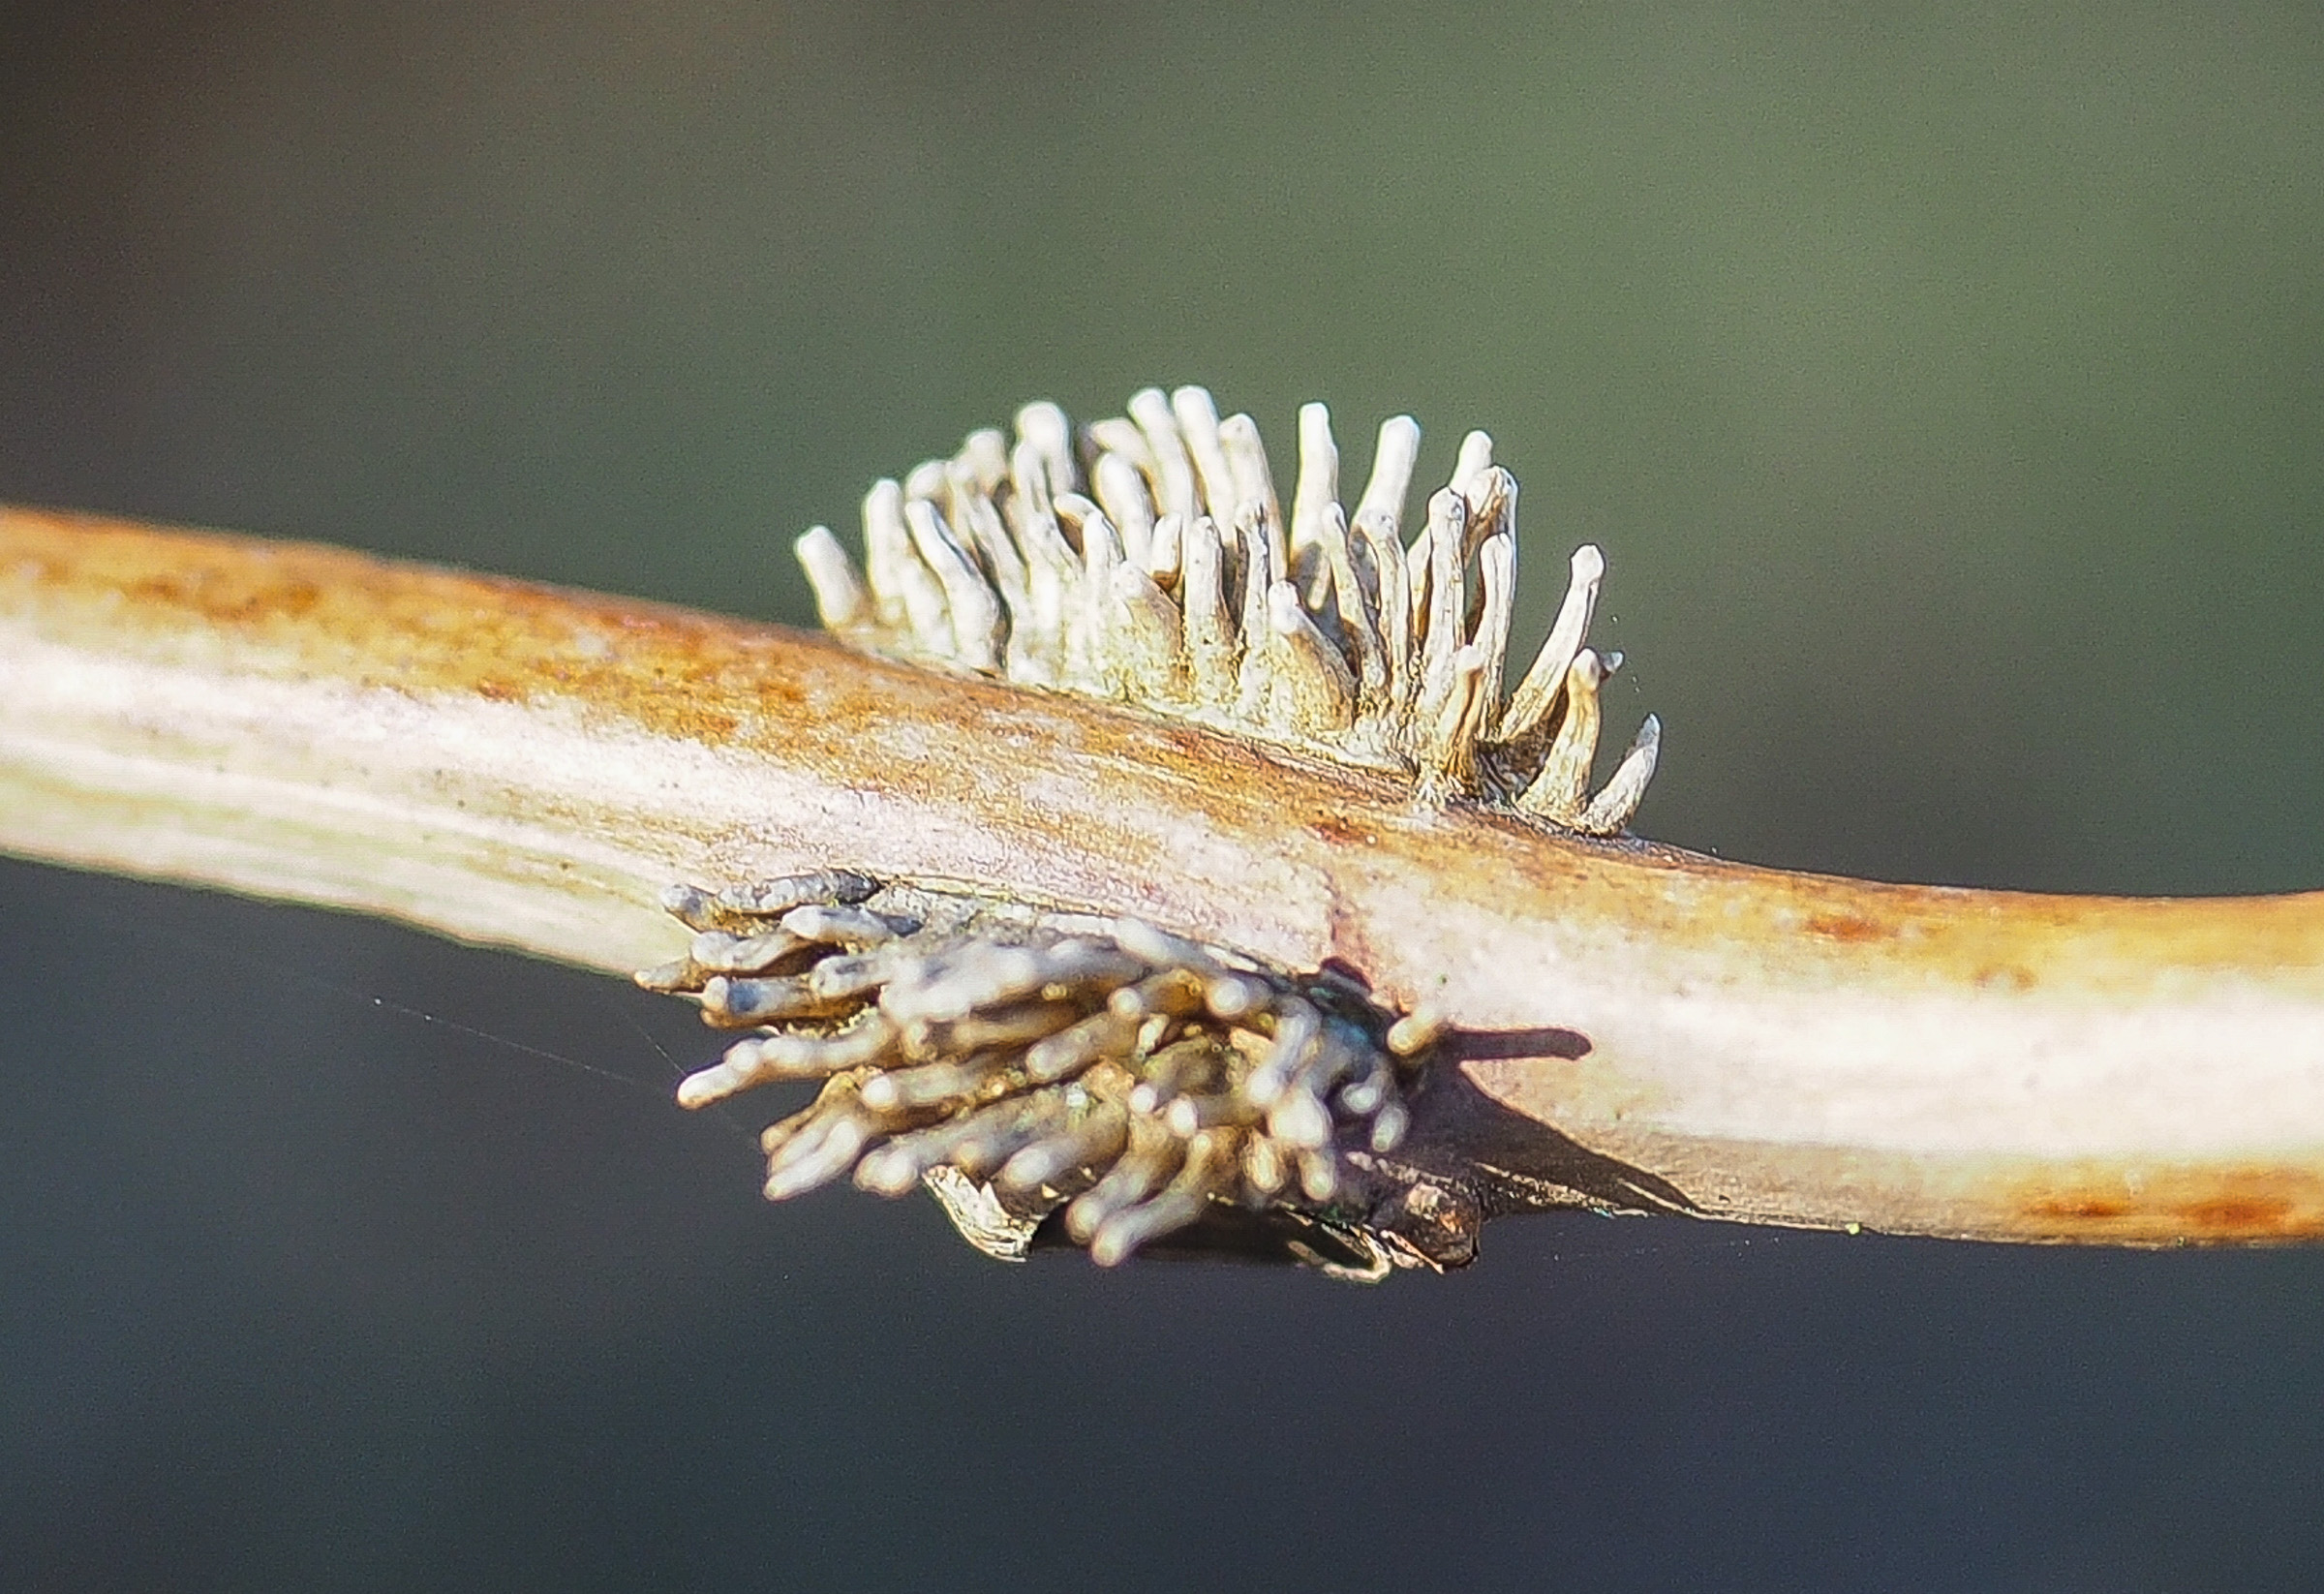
(1947, 391)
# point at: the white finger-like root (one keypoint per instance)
(1447, 601)
(985, 452)
(980, 526)
(1558, 792)
(1212, 648)
(1497, 565)
(910, 599)
(1165, 555)
(1475, 457)
(1123, 494)
(1537, 693)
(1319, 473)
(1448, 752)
(1359, 620)
(974, 607)
(841, 601)
(1117, 435)
(1255, 680)
(1044, 426)
(1197, 417)
(1610, 811)
(1175, 491)
(1393, 459)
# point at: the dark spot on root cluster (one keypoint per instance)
(1040, 1071)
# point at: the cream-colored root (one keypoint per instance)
(1153, 567)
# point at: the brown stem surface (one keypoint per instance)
(527, 767)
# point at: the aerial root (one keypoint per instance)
(1025, 1064)
(1147, 559)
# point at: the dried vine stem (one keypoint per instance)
(1176, 1083)
(1632, 1025)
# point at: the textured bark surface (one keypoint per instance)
(516, 765)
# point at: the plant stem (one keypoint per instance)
(1637, 1026)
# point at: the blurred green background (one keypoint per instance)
(1944, 385)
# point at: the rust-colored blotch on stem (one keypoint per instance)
(2193, 1203)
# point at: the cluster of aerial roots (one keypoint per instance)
(1103, 1069)
(1147, 559)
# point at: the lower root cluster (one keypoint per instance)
(1100, 1071)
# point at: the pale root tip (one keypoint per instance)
(886, 1173)
(1476, 459)
(1194, 401)
(1610, 811)
(717, 1082)
(840, 600)
(1417, 1030)
(1043, 424)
